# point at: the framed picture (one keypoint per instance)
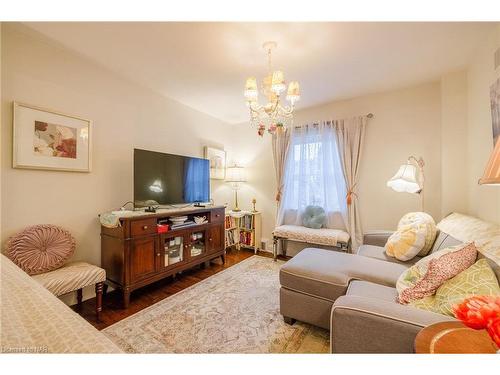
(217, 160)
(495, 109)
(46, 139)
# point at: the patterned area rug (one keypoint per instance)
(234, 311)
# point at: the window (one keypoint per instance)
(313, 174)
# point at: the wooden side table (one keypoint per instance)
(453, 337)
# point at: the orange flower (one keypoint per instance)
(494, 330)
(477, 312)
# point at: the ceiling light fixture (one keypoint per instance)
(272, 116)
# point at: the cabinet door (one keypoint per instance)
(142, 258)
(171, 250)
(215, 239)
(196, 244)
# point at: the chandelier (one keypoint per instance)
(273, 115)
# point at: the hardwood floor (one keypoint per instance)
(112, 310)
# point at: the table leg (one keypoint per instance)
(98, 299)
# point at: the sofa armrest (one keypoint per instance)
(376, 237)
(369, 325)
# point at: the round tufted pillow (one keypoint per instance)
(40, 248)
(406, 242)
(314, 217)
(424, 221)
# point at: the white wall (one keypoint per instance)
(483, 201)
(454, 168)
(124, 116)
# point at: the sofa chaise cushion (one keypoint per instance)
(326, 274)
(378, 252)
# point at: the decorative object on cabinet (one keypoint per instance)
(491, 174)
(235, 175)
(243, 229)
(254, 201)
(217, 160)
(134, 254)
(46, 139)
(409, 179)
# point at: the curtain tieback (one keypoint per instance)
(278, 195)
(350, 194)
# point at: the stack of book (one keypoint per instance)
(230, 222)
(230, 240)
(246, 238)
(246, 222)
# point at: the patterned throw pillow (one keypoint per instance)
(406, 242)
(477, 280)
(425, 220)
(428, 274)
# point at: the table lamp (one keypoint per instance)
(235, 175)
(491, 174)
(410, 178)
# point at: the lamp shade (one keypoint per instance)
(251, 91)
(235, 174)
(405, 180)
(278, 82)
(491, 174)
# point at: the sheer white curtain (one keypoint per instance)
(313, 176)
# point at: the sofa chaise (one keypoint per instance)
(354, 295)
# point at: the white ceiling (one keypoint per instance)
(204, 65)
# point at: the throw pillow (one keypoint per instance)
(406, 242)
(425, 220)
(314, 217)
(478, 279)
(428, 274)
(40, 248)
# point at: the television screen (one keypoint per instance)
(163, 179)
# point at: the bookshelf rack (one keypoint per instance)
(243, 230)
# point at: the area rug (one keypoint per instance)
(234, 311)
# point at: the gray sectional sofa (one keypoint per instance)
(354, 296)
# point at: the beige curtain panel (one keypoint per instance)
(280, 144)
(350, 137)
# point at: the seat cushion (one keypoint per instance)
(371, 290)
(71, 277)
(322, 236)
(378, 252)
(326, 274)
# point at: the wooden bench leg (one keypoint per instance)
(79, 296)
(223, 258)
(98, 299)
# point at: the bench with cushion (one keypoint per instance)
(323, 236)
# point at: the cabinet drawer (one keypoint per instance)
(141, 227)
(217, 216)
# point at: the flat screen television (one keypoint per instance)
(167, 179)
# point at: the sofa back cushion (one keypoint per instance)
(444, 240)
(471, 229)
